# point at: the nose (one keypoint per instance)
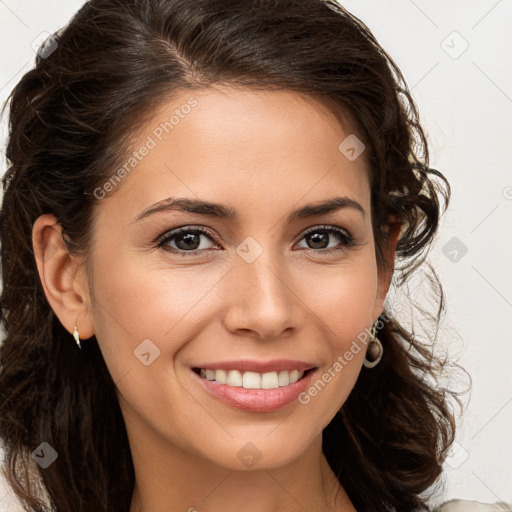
(261, 299)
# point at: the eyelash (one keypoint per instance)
(347, 240)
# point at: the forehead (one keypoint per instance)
(232, 143)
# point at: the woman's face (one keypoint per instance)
(260, 289)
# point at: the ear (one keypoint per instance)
(63, 278)
(385, 273)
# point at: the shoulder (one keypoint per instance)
(8, 501)
(473, 506)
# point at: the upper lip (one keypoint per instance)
(276, 365)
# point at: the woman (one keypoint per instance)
(201, 216)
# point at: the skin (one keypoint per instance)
(262, 154)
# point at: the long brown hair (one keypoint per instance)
(71, 119)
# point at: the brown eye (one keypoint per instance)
(320, 238)
(185, 240)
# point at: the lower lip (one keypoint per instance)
(257, 400)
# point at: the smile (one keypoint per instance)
(252, 391)
(251, 380)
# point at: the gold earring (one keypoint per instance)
(76, 335)
(374, 352)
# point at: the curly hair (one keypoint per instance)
(71, 119)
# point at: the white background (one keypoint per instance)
(465, 102)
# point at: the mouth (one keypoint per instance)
(253, 380)
(255, 392)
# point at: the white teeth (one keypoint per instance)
(252, 380)
(284, 378)
(234, 378)
(221, 376)
(294, 376)
(269, 380)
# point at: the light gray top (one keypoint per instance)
(472, 506)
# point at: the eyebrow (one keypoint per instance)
(224, 212)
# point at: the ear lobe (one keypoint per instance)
(61, 276)
(394, 229)
(386, 273)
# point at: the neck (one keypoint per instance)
(183, 481)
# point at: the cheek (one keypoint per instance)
(134, 301)
(171, 305)
(341, 304)
(342, 297)
(142, 318)
(132, 305)
(139, 302)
